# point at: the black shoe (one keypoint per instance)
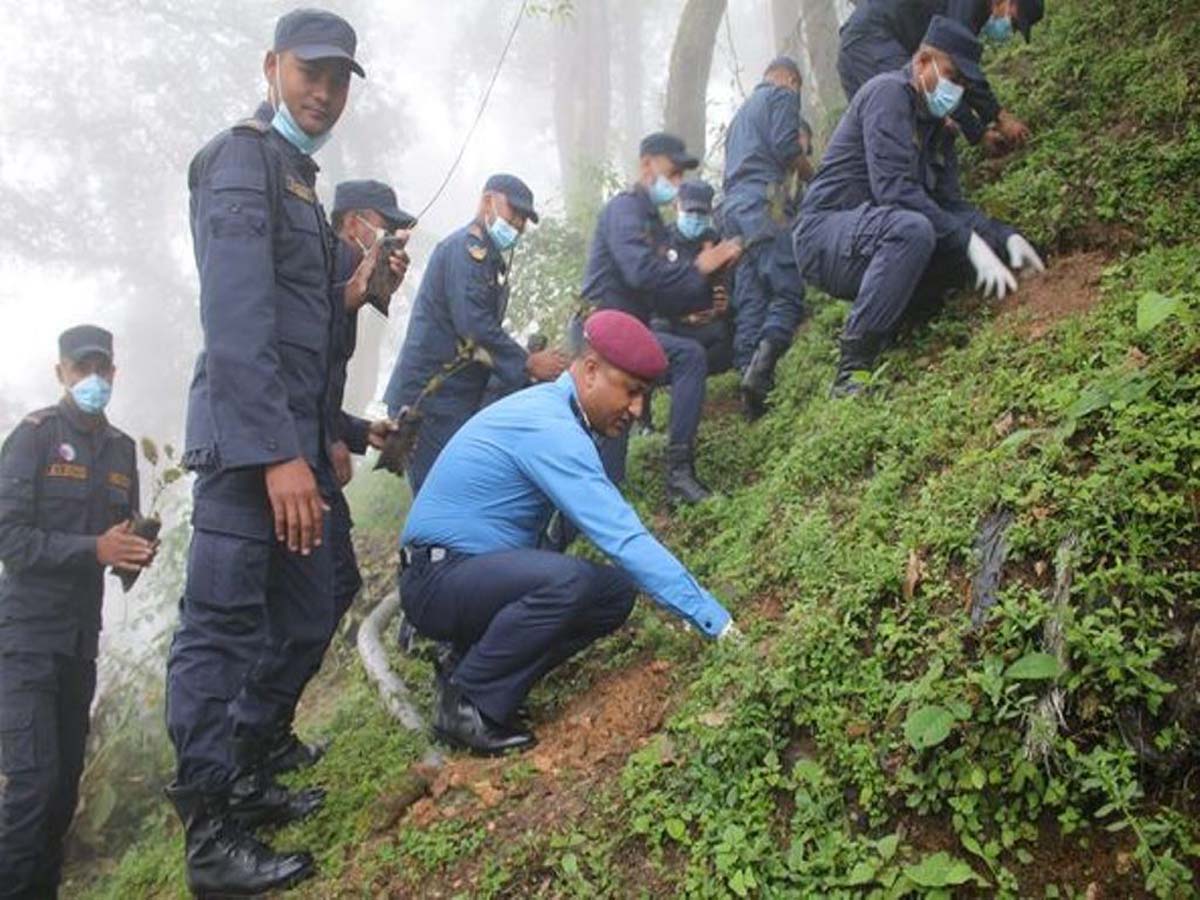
(682, 484)
(290, 754)
(459, 723)
(759, 377)
(855, 365)
(223, 859)
(257, 801)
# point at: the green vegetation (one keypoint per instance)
(868, 740)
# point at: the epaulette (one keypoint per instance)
(37, 417)
(253, 125)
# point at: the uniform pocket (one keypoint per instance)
(18, 746)
(63, 503)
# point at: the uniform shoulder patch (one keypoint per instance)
(252, 126)
(477, 252)
(298, 188)
(37, 417)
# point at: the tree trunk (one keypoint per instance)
(691, 61)
(631, 82)
(582, 88)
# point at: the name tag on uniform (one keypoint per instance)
(67, 470)
(116, 479)
(300, 189)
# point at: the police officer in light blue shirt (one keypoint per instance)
(470, 571)
(258, 603)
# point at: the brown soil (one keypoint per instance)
(579, 752)
(1070, 285)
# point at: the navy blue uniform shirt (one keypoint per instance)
(262, 248)
(761, 147)
(632, 267)
(888, 151)
(65, 478)
(463, 296)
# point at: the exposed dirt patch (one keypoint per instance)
(580, 750)
(1070, 285)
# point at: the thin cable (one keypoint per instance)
(478, 115)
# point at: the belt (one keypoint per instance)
(410, 556)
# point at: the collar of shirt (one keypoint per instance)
(308, 165)
(565, 383)
(78, 419)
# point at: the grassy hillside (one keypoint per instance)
(871, 739)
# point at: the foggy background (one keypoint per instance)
(106, 101)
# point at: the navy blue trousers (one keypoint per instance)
(715, 337)
(876, 256)
(254, 622)
(768, 297)
(45, 699)
(513, 616)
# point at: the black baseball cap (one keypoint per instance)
(366, 193)
(663, 144)
(954, 38)
(317, 34)
(516, 192)
(696, 196)
(83, 341)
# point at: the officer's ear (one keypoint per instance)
(270, 69)
(60, 373)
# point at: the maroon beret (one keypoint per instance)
(626, 343)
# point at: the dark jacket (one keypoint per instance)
(64, 479)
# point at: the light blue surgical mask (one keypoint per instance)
(998, 28)
(91, 394)
(503, 233)
(286, 124)
(692, 225)
(662, 191)
(945, 96)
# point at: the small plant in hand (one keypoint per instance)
(148, 526)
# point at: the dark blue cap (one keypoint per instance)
(663, 144)
(784, 62)
(1029, 13)
(369, 194)
(84, 340)
(954, 38)
(317, 34)
(696, 196)
(516, 192)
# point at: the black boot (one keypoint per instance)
(759, 377)
(857, 362)
(257, 801)
(459, 723)
(682, 484)
(288, 753)
(223, 859)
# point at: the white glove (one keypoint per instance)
(1022, 254)
(991, 275)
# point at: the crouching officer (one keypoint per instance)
(633, 268)
(470, 573)
(692, 231)
(884, 222)
(257, 607)
(364, 214)
(68, 489)
(767, 152)
(881, 36)
(459, 308)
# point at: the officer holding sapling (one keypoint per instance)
(68, 495)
